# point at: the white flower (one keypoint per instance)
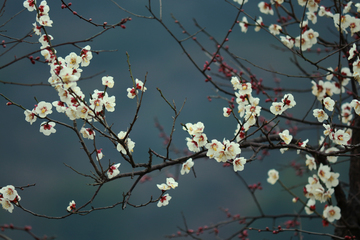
(310, 206)
(331, 159)
(285, 136)
(129, 144)
(320, 115)
(113, 171)
(30, 116)
(332, 213)
(329, 103)
(239, 163)
(9, 192)
(275, 29)
(86, 56)
(72, 206)
(244, 25)
(310, 162)
(43, 109)
(324, 172)
(171, 182)
(163, 186)
(273, 176)
(108, 81)
(47, 128)
(187, 166)
(164, 200)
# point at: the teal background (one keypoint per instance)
(30, 157)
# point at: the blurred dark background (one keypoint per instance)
(30, 157)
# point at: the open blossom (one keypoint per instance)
(87, 133)
(288, 101)
(341, 137)
(47, 128)
(226, 111)
(214, 148)
(239, 163)
(329, 103)
(332, 213)
(277, 108)
(186, 166)
(259, 23)
(327, 130)
(194, 129)
(113, 171)
(30, 116)
(275, 29)
(287, 41)
(285, 136)
(99, 154)
(356, 105)
(43, 109)
(9, 192)
(164, 200)
(86, 56)
(266, 8)
(320, 115)
(273, 176)
(30, 5)
(333, 180)
(108, 81)
(6, 204)
(310, 162)
(244, 25)
(73, 60)
(310, 206)
(324, 172)
(72, 206)
(163, 187)
(129, 144)
(171, 182)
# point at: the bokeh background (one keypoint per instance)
(30, 157)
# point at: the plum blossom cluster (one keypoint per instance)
(170, 184)
(139, 86)
(198, 139)
(65, 72)
(315, 189)
(8, 197)
(247, 105)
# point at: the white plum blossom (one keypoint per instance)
(285, 136)
(129, 144)
(171, 182)
(227, 111)
(43, 109)
(275, 29)
(163, 187)
(288, 101)
(9, 192)
(73, 60)
(287, 41)
(356, 105)
(259, 23)
(333, 180)
(86, 56)
(99, 154)
(341, 137)
(324, 172)
(244, 25)
(266, 8)
(186, 166)
(113, 171)
(310, 162)
(310, 206)
(30, 116)
(87, 133)
(47, 128)
(29, 5)
(320, 115)
(273, 176)
(329, 103)
(108, 81)
(277, 108)
(164, 200)
(71, 207)
(6, 204)
(332, 213)
(239, 163)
